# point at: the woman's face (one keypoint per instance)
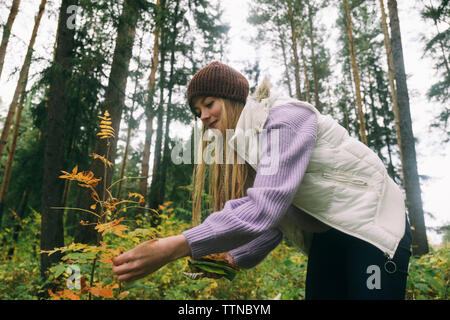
(209, 110)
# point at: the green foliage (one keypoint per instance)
(429, 275)
(282, 272)
(436, 47)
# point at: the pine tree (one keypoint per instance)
(391, 74)
(411, 176)
(113, 102)
(52, 232)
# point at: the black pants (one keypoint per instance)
(344, 267)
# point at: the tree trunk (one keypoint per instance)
(146, 157)
(67, 183)
(149, 108)
(305, 69)
(313, 61)
(166, 151)
(7, 32)
(362, 125)
(298, 91)
(17, 227)
(286, 67)
(52, 231)
(346, 117)
(22, 78)
(165, 157)
(376, 131)
(411, 176)
(391, 74)
(11, 153)
(125, 156)
(154, 187)
(130, 127)
(114, 101)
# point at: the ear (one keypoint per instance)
(263, 90)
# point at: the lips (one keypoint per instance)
(213, 124)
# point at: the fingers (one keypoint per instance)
(128, 272)
(123, 258)
(124, 268)
(137, 262)
(129, 277)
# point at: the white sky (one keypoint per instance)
(433, 158)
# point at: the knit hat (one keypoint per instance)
(218, 80)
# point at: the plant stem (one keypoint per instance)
(92, 276)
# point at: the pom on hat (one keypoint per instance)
(218, 80)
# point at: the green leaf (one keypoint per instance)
(422, 287)
(59, 270)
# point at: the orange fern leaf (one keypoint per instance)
(113, 227)
(106, 292)
(141, 198)
(106, 131)
(85, 178)
(103, 159)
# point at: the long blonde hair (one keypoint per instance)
(226, 181)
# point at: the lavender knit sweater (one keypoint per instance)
(246, 227)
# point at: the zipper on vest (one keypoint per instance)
(345, 179)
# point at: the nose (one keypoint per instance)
(204, 114)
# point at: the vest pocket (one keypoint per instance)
(344, 179)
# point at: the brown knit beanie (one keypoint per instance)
(218, 80)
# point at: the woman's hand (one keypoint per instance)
(148, 257)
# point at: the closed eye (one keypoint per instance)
(197, 113)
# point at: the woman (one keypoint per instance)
(310, 181)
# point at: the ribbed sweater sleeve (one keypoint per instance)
(243, 220)
(252, 253)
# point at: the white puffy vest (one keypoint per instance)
(345, 186)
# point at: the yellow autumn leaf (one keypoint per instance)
(113, 226)
(123, 295)
(103, 292)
